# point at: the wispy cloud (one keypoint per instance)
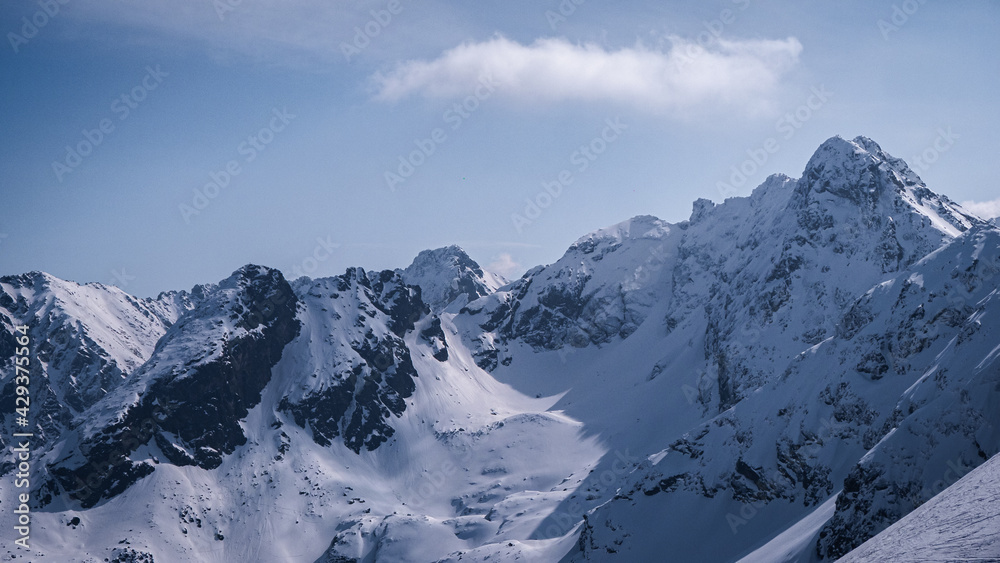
(985, 209)
(312, 33)
(496, 244)
(505, 265)
(684, 76)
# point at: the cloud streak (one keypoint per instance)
(308, 34)
(505, 265)
(741, 74)
(985, 209)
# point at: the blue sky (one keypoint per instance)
(159, 144)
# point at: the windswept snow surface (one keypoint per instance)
(960, 524)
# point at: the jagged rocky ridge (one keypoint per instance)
(809, 361)
(356, 392)
(188, 399)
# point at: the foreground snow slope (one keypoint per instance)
(960, 524)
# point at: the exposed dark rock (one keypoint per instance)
(434, 336)
(193, 416)
(357, 401)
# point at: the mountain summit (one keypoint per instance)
(880, 185)
(447, 273)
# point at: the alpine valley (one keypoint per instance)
(782, 377)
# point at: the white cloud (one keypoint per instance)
(985, 209)
(505, 265)
(744, 74)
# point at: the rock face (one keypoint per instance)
(207, 371)
(807, 365)
(87, 340)
(600, 290)
(948, 421)
(358, 386)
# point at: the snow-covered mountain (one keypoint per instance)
(779, 378)
(90, 338)
(447, 276)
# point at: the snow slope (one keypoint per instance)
(960, 524)
(789, 545)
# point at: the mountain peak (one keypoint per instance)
(789, 354)
(28, 279)
(866, 143)
(252, 274)
(838, 152)
(857, 185)
(444, 274)
(638, 227)
(859, 143)
(857, 169)
(451, 252)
